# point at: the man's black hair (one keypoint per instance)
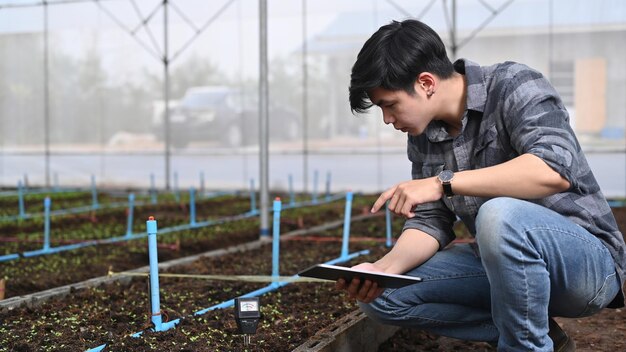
(393, 57)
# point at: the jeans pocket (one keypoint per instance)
(603, 297)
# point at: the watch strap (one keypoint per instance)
(447, 189)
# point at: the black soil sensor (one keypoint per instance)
(247, 315)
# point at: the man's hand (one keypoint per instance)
(365, 292)
(404, 196)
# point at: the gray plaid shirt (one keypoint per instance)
(511, 110)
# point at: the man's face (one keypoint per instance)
(409, 113)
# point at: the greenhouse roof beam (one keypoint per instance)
(42, 3)
(494, 13)
(144, 23)
(132, 33)
(202, 29)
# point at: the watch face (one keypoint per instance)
(446, 176)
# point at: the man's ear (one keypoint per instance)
(427, 83)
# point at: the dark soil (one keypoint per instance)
(290, 315)
(33, 274)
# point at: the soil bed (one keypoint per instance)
(88, 318)
(290, 315)
(29, 275)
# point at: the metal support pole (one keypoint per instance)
(46, 93)
(264, 123)
(305, 112)
(453, 34)
(166, 96)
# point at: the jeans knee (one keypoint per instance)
(494, 222)
(493, 212)
(372, 311)
(379, 311)
(388, 309)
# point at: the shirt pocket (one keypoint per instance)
(488, 150)
(430, 170)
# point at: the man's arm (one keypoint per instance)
(524, 177)
(412, 249)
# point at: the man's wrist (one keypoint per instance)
(445, 177)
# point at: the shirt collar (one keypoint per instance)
(476, 98)
(476, 87)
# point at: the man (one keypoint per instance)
(493, 147)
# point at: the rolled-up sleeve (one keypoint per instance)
(538, 123)
(433, 218)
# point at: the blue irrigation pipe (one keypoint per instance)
(14, 256)
(388, 224)
(129, 223)
(617, 203)
(346, 225)
(154, 280)
(155, 301)
(46, 224)
(192, 207)
(344, 257)
(276, 238)
(46, 232)
(20, 193)
(226, 304)
(8, 257)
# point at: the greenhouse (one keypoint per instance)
(293, 175)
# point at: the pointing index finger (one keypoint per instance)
(385, 196)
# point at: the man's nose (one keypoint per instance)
(387, 118)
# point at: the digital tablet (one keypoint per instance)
(334, 272)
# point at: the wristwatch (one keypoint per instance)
(445, 177)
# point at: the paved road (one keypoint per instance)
(367, 172)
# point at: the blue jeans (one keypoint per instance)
(530, 263)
